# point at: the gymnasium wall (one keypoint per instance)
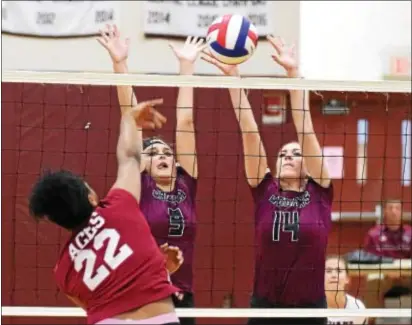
(224, 248)
(337, 40)
(147, 55)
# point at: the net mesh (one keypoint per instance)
(76, 127)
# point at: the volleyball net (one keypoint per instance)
(70, 120)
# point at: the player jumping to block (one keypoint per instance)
(292, 205)
(111, 265)
(169, 184)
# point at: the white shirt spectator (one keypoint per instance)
(351, 303)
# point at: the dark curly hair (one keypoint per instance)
(62, 198)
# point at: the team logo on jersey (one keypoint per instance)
(297, 202)
(177, 198)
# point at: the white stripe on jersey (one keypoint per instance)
(351, 303)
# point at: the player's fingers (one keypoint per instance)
(193, 40)
(104, 35)
(151, 103)
(127, 41)
(274, 41)
(163, 246)
(276, 59)
(116, 32)
(208, 58)
(203, 47)
(188, 40)
(159, 123)
(148, 125)
(101, 41)
(200, 42)
(160, 117)
(110, 30)
(293, 49)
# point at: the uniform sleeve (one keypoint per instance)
(326, 193)
(260, 191)
(119, 199)
(369, 242)
(189, 181)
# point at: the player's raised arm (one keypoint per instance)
(129, 145)
(185, 130)
(253, 150)
(311, 150)
(118, 49)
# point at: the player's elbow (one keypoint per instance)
(185, 123)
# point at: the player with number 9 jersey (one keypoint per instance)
(168, 188)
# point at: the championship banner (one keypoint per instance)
(192, 18)
(57, 18)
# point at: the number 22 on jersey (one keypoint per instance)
(113, 255)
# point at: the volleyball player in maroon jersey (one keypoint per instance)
(168, 189)
(111, 265)
(292, 205)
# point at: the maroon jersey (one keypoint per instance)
(113, 264)
(384, 242)
(291, 233)
(172, 219)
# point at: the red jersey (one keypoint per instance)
(113, 264)
(384, 242)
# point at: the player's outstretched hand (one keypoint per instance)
(284, 55)
(189, 52)
(228, 70)
(146, 116)
(111, 40)
(174, 257)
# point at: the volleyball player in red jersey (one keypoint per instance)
(292, 205)
(168, 187)
(111, 265)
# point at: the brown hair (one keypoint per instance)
(391, 200)
(339, 258)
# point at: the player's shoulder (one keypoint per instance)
(376, 231)
(354, 303)
(407, 229)
(115, 196)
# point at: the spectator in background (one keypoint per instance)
(392, 239)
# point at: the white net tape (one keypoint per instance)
(221, 312)
(109, 79)
(209, 82)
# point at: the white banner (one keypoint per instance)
(57, 18)
(192, 18)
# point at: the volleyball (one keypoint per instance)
(232, 39)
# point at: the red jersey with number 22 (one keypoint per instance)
(113, 264)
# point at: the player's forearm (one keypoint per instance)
(184, 115)
(125, 94)
(243, 111)
(127, 98)
(130, 139)
(299, 102)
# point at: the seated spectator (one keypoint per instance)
(392, 239)
(336, 280)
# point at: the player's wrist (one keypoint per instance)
(186, 68)
(293, 73)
